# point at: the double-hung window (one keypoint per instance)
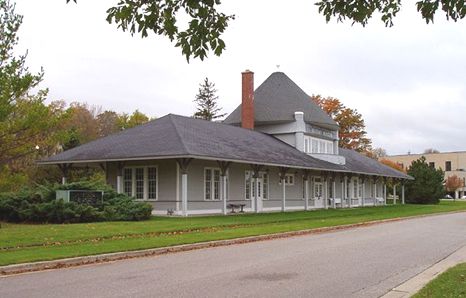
(250, 187)
(360, 188)
(211, 184)
(128, 181)
(140, 182)
(318, 187)
(247, 184)
(289, 179)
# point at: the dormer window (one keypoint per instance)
(315, 145)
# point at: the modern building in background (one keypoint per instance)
(452, 163)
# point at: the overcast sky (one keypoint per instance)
(408, 81)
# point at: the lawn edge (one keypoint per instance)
(115, 256)
(415, 284)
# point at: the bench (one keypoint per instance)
(236, 206)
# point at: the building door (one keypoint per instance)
(260, 187)
(318, 192)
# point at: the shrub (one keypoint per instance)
(427, 186)
(39, 205)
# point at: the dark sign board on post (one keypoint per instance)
(88, 197)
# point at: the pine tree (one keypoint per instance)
(427, 186)
(206, 101)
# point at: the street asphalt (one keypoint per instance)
(360, 262)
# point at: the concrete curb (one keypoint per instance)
(108, 257)
(415, 284)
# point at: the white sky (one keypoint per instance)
(408, 81)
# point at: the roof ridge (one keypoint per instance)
(171, 117)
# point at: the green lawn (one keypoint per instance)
(26, 243)
(451, 283)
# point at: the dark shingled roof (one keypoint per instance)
(179, 136)
(356, 162)
(277, 99)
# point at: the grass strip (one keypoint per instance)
(451, 283)
(27, 243)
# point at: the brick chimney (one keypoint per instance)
(247, 102)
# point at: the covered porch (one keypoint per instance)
(190, 186)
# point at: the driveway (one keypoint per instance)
(360, 262)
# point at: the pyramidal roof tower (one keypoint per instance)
(277, 99)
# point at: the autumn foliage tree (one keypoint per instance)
(452, 183)
(352, 128)
(392, 164)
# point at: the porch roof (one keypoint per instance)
(174, 136)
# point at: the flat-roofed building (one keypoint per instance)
(452, 163)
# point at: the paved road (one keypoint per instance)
(361, 262)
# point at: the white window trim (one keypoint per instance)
(360, 189)
(287, 179)
(146, 182)
(212, 185)
(251, 194)
(314, 186)
(327, 144)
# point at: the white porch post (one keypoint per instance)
(375, 192)
(306, 193)
(384, 193)
(283, 194)
(326, 193)
(394, 193)
(256, 194)
(403, 193)
(334, 205)
(184, 193)
(282, 172)
(347, 185)
(223, 173)
(184, 163)
(363, 192)
(224, 193)
(119, 186)
(120, 177)
(342, 191)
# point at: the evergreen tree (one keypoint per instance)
(427, 186)
(206, 101)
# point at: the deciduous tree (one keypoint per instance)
(392, 164)
(376, 153)
(206, 24)
(128, 121)
(352, 128)
(452, 183)
(431, 150)
(108, 123)
(28, 127)
(360, 11)
(206, 101)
